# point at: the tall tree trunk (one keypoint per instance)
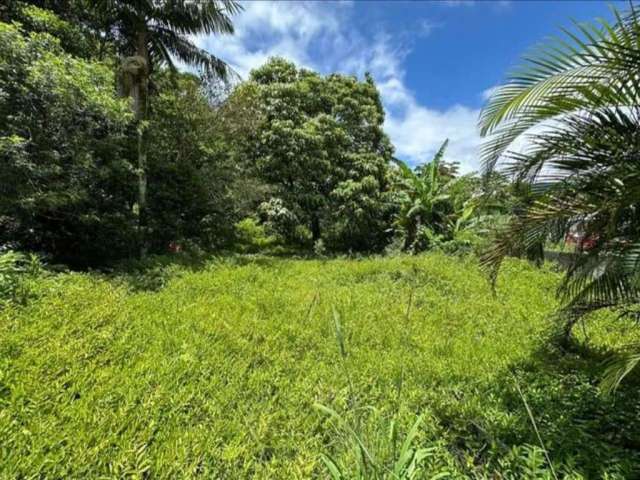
(418, 225)
(410, 235)
(141, 103)
(315, 228)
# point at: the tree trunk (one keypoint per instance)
(315, 228)
(140, 102)
(414, 246)
(410, 236)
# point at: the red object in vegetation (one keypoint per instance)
(581, 241)
(175, 247)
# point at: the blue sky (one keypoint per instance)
(433, 61)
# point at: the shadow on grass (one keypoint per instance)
(584, 430)
(154, 272)
(580, 425)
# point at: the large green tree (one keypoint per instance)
(320, 144)
(582, 163)
(63, 148)
(148, 35)
(192, 173)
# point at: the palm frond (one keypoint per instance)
(590, 69)
(165, 41)
(576, 102)
(197, 16)
(618, 367)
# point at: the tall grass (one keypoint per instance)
(375, 453)
(213, 373)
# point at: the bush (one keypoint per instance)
(17, 272)
(252, 237)
(278, 218)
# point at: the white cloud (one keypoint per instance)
(426, 26)
(488, 93)
(418, 132)
(459, 3)
(471, 3)
(265, 29)
(322, 36)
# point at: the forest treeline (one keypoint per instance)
(100, 155)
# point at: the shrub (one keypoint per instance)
(278, 218)
(17, 272)
(252, 236)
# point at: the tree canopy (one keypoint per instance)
(321, 146)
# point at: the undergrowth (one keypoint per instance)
(214, 372)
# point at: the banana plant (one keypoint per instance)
(424, 203)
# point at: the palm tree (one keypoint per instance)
(575, 105)
(153, 33)
(422, 198)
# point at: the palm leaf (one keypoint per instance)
(168, 41)
(618, 367)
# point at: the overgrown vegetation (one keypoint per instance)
(18, 272)
(437, 209)
(581, 166)
(216, 374)
(291, 354)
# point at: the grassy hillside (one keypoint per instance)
(216, 374)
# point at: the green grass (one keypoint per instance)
(216, 374)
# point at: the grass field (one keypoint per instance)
(216, 373)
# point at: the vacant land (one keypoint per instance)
(216, 373)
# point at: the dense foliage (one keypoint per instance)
(70, 148)
(66, 181)
(435, 209)
(581, 165)
(148, 35)
(406, 367)
(287, 159)
(321, 149)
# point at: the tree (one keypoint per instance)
(582, 163)
(321, 147)
(192, 171)
(68, 156)
(58, 18)
(149, 34)
(424, 204)
(63, 149)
